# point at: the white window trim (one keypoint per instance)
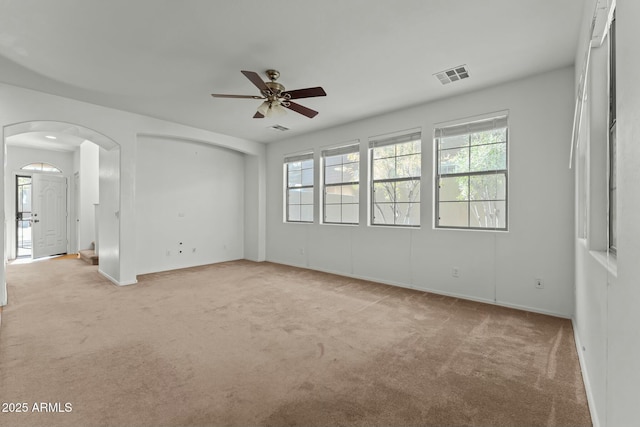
(289, 159)
(348, 148)
(385, 140)
(469, 121)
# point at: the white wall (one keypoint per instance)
(591, 273)
(189, 204)
(109, 230)
(18, 105)
(254, 218)
(494, 266)
(607, 287)
(17, 157)
(89, 192)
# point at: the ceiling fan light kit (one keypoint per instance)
(272, 109)
(276, 98)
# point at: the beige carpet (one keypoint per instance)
(244, 343)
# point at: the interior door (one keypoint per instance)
(49, 214)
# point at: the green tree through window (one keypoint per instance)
(396, 173)
(471, 181)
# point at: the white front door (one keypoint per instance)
(49, 207)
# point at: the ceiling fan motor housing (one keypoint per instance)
(273, 75)
(276, 88)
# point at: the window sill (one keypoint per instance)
(482, 230)
(607, 260)
(395, 227)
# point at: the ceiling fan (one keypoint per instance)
(276, 97)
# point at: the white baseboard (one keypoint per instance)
(595, 420)
(463, 296)
(4, 299)
(115, 282)
(433, 291)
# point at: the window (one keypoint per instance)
(395, 183)
(299, 188)
(341, 182)
(471, 177)
(613, 169)
(43, 167)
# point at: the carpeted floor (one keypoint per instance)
(244, 343)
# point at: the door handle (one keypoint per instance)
(36, 220)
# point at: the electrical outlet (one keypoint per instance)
(539, 284)
(455, 272)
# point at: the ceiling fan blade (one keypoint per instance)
(258, 115)
(302, 110)
(309, 92)
(256, 80)
(219, 95)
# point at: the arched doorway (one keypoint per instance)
(91, 171)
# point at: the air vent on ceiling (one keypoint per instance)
(279, 128)
(453, 74)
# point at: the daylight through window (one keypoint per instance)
(341, 185)
(299, 188)
(395, 186)
(471, 181)
(42, 167)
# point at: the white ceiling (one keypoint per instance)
(163, 58)
(45, 141)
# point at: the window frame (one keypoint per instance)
(40, 167)
(394, 140)
(612, 235)
(288, 160)
(333, 152)
(438, 175)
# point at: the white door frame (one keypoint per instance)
(74, 219)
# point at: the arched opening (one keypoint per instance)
(40, 167)
(78, 170)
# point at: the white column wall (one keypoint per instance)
(89, 192)
(254, 225)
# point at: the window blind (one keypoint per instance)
(298, 158)
(473, 127)
(380, 142)
(354, 148)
